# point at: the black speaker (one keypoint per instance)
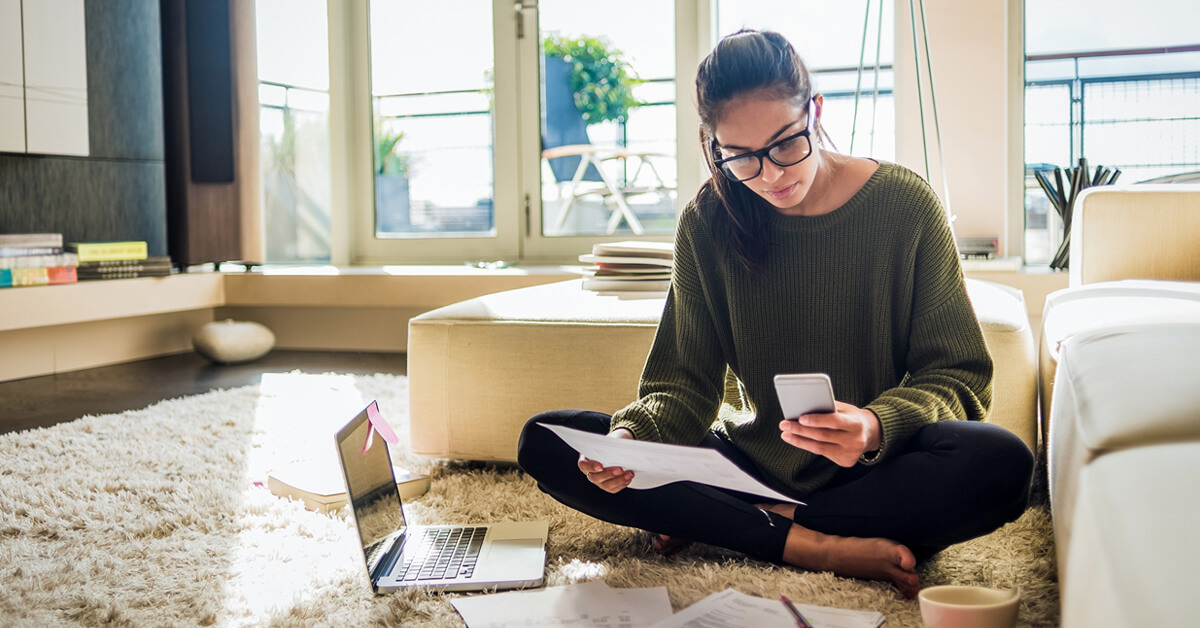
(209, 91)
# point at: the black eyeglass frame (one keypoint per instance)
(766, 152)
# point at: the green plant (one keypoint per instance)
(601, 78)
(387, 160)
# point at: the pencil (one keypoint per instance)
(800, 620)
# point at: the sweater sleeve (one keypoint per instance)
(682, 383)
(949, 370)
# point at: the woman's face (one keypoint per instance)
(758, 120)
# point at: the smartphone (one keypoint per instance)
(804, 393)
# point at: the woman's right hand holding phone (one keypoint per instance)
(609, 479)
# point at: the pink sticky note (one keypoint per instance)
(378, 424)
(381, 425)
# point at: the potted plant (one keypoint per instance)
(601, 79)
(392, 203)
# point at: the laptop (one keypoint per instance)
(502, 555)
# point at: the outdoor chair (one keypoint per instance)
(586, 169)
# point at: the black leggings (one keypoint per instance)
(953, 481)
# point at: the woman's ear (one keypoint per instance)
(819, 106)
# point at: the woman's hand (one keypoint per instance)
(842, 436)
(611, 479)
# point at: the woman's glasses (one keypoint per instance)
(788, 151)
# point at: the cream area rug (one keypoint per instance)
(159, 517)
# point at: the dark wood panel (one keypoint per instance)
(203, 219)
(84, 199)
(124, 57)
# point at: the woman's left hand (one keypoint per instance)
(842, 436)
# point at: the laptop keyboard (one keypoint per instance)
(442, 553)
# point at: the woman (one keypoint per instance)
(793, 259)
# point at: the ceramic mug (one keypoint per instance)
(954, 606)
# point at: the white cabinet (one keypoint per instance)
(12, 79)
(43, 77)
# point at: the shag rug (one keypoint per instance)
(159, 517)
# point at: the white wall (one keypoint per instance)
(977, 62)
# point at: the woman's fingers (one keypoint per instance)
(610, 479)
(839, 446)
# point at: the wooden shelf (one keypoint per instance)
(87, 301)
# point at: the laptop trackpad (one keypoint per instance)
(515, 549)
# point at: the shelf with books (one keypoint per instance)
(35, 259)
(100, 251)
(125, 269)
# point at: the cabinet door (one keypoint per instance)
(55, 77)
(12, 79)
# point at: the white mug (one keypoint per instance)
(954, 606)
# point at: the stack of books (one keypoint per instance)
(35, 259)
(629, 267)
(118, 260)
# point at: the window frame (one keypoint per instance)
(516, 144)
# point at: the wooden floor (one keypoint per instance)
(45, 401)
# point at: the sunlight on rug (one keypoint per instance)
(160, 516)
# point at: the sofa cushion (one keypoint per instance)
(1098, 306)
(1118, 388)
(1133, 555)
(1005, 322)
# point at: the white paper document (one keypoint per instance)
(656, 464)
(590, 604)
(733, 608)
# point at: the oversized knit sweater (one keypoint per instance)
(871, 293)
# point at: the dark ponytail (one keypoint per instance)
(744, 62)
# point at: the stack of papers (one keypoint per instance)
(632, 266)
(596, 605)
(734, 608)
(590, 604)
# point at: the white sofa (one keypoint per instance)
(1120, 390)
(480, 368)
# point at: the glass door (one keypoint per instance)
(441, 188)
(605, 134)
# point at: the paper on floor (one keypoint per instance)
(734, 608)
(592, 604)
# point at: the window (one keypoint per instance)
(1119, 88)
(832, 38)
(293, 70)
(464, 130)
(490, 140)
(433, 121)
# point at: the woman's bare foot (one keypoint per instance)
(873, 558)
(666, 545)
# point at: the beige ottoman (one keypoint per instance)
(477, 370)
(480, 368)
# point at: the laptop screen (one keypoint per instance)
(370, 483)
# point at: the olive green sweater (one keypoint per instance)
(871, 294)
